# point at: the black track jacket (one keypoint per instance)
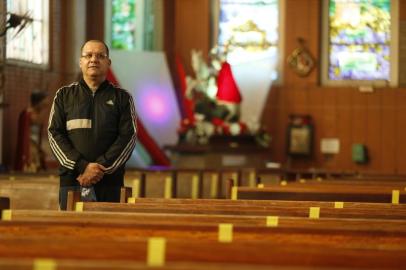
(85, 128)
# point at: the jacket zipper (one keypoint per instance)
(93, 116)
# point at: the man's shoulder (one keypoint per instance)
(68, 87)
(119, 90)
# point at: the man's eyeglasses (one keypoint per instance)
(98, 56)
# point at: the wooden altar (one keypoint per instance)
(220, 152)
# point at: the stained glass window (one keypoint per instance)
(31, 42)
(359, 39)
(123, 19)
(248, 29)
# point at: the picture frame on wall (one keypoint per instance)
(300, 136)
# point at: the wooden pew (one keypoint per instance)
(4, 203)
(320, 193)
(182, 184)
(288, 174)
(63, 264)
(338, 238)
(270, 203)
(294, 211)
(183, 250)
(28, 176)
(386, 185)
(173, 183)
(112, 218)
(247, 207)
(126, 193)
(333, 192)
(373, 244)
(30, 191)
(316, 248)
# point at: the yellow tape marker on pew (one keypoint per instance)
(136, 188)
(79, 207)
(319, 179)
(225, 233)
(302, 181)
(6, 214)
(251, 180)
(234, 193)
(272, 221)
(12, 178)
(195, 187)
(284, 183)
(234, 176)
(339, 205)
(156, 251)
(395, 196)
(44, 264)
(131, 200)
(214, 185)
(168, 188)
(314, 212)
(260, 186)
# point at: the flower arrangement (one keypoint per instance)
(212, 100)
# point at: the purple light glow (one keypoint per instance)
(153, 104)
(156, 106)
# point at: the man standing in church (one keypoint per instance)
(92, 130)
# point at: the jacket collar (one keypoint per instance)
(103, 85)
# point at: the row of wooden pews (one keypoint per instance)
(212, 184)
(75, 235)
(40, 191)
(30, 190)
(176, 233)
(329, 190)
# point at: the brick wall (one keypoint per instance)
(21, 80)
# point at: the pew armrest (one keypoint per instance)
(125, 193)
(4, 203)
(73, 198)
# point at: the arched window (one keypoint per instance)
(248, 33)
(123, 24)
(249, 30)
(133, 25)
(29, 42)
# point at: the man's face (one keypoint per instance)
(94, 61)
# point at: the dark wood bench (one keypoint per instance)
(269, 203)
(31, 192)
(369, 191)
(358, 184)
(154, 183)
(200, 219)
(320, 193)
(339, 239)
(66, 264)
(4, 203)
(294, 211)
(328, 249)
(185, 250)
(113, 239)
